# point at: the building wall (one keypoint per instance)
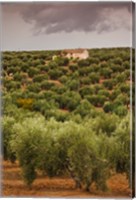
(82, 55)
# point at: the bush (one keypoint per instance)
(106, 123)
(121, 110)
(40, 77)
(12, 85)
(8, 132)
(104, 92)
(125, 88)
(96, 100)
(55, 74)
(108, 84)
(86, 90)
(83, 62)
(17, 76)
(116, 68)
(108, 107)
(118, 61)
(73, 85)
(69, 100)
(121, 78)
(34, 87)
(73, 67)
(122, 147)
(84, 165)
(121, 100)
(33, 71)
(61, 61)
(29, 134)
(26, 103)
(106, 72)
(94, 77)
(46, 85)
(126, 65)
(84, 108)
(114, 94)
(63, 79)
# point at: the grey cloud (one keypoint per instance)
(68, 17)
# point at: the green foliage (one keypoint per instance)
(122, 147)
(73, 84)
(86, 90)
(94, 77)
(67, 135)
(121, 110)
(7, 134)
(46, 85)
(83, 62)
(84, 108)
(106, 124)
(108, 84)
(40, 77)
(55, 74)
(84, 164)
(108, 107)
(33, 71)
(28, 136)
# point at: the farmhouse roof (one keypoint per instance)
(74, 50)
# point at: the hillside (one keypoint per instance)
(67, 121)
(46, 81)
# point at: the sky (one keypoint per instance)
(65, 25)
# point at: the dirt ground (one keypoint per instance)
(13, 186)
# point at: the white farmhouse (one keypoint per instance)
(76, 53)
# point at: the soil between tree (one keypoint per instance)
(13, 186)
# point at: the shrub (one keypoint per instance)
(83, 62)
(108, 107)
(116, 68)
(121, 99)
(85, 80)
(121, 110)
(126, 65)
(63, 79)
(96, 100)
(69, 100)
(55, 74)
(118, 61)
(121, 78)
(104, 92)
(106, 72)
(94, 77)
(33, 71)
(106, 123)
(86, 90)
(73, 85)
(34, 87)
(114, 94)
(29, 134)
(12, 85)
(8, 132)
(122, 147)
(40, 77)
(26, 103)
(108, 84)
(46, 85)
(125, 88)
(84, 108)
(17, 76)
(73, 67)
(84, 165)
(61, 61)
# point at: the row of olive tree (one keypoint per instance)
(86, 150)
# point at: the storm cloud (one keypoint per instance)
(49, 18)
